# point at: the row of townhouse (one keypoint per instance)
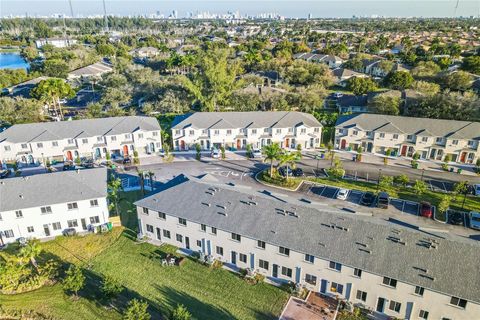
(432, 139)
(69, 140)
(390, 269)
(44, 205)
(330, 60)
(239, 129)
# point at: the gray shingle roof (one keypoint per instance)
(410, 125)
(354, 241)
(52, 188)
(253, 119)
(47, 131)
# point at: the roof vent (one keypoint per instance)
(362, 244)
(222, 213)
(210, 193)
(365, 250)
(420, 269)
(221, 206)
(206, 204)
(427, 277)
(273, 231)
(322, 244)
(21, 196)
(281, 211)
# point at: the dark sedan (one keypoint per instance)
(367, 199)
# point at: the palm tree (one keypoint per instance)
(51, 91)
(30, 251)
(289, 159)
(271, 152)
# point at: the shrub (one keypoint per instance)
(402, 180)
(222, 151)
(444, 167)
(111, 287)
(136, 160)
(181, 313)
(217, 264)
(414, 164)
(416, 156)
(74, 280)
(419, 187)
(136, 310)
(198, 149)
(444, 204)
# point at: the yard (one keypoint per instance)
(207, 293)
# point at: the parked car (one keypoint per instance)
(342, 194)
(476, 188)
(383, 200)
(68, 166)
(337, 95)
(475, 220)
(367, 199)
(426, 209)
(283, 171)
(297, 172)
(215, 154)
(4, 174)
(69, 232)
(456, 218)
(127, 160)
(257, 153)
(87, 162)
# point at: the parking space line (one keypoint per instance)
(444, 187)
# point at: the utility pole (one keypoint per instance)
(105, 16)
(71, 8)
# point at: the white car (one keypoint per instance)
(342, 194)
(476, 188)
(475, 220)
(215, 154)
(257, 153)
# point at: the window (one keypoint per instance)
(229, 132)
(290, 129)
(395, 136)
(99, 139)
(45, 210)
(72, 223)
(179, 237)
(438, 140)
(395, 306)
(191, 132)
(219, 250)
(19, 214)
(166, 233)
(419, 290)
(56, 226)
(216, 132)
(278, 131)
(261, 244)
(382, 135)
(337, 287)
(236, 237)
(72, 206)
(355, 132)
(410, 137)
(94, 203)
(471, 143)
(8, 233)
(24, 146)
(310, 279)
(316, 130)
(30, 229)
(54, 144)
(254, 131)
(335, 265)
(287, 272)
(94, 219)
(424, 139)
(303, 130)
(214, 230)
(150, 228)
(243, 257)
(161, 215)
(84, 141)
(458, 302)
(128, 136)
(113, 138)
(361, 295)
(70, 141)
(263, 264)
(199, 243)
(154, 133)
(145, 210)
(182, 221)
(309, 258)
(140, 136)
(284, 251)
(357, 272)
(39, 145)
(7, 148)
(203, 227)
(390, 282)
(423, 314)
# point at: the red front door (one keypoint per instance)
(182, 145)
(287, 143)
(239, 144)
(344, 144)
(404, 150)
(125, 150)
(463, 157)
(69, 156)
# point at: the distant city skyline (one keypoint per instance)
(289, 9)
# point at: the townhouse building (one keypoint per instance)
(431, 138)
(330, 60)
(238, 129)
(68, 140)
(44, 205)
(393, 270)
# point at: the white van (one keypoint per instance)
(475, 220)
(476, 189)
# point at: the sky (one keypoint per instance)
(287, 8)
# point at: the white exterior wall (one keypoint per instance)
(429, 149)
(15, 151)
(437, 304)
(32, 217)
(300, 135)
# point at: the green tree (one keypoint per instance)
(74, 280)
(181, 313)
(426, 69)
(30, 53)
(106, 49)
(399, 80)
(419, 187)
(31, 251)
(459, 80)
(111, 287)
(198, 150)
(426, 88)
(471, 64)
(136, 310)
(444, 204)
(55, 68)
(402, 180)
(361, 86)
(271, 152)
(20, 110)
(385, 183)
(385, 104)
(51, 91)
(336, 171)
(289, 159)
(114, 189)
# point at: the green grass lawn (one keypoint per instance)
(208, 293)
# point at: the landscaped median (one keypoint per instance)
(472, 203)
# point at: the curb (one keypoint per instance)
(277, 187)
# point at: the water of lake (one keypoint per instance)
(12, 61)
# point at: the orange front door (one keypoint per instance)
(404, 150)
(239, 144)
(69, 156)
(287, 143)
(344, 144)
(125, 150)
(463, 157)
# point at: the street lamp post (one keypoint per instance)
(379, 177)
(423, 172)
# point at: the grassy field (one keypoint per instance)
(208, 293)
